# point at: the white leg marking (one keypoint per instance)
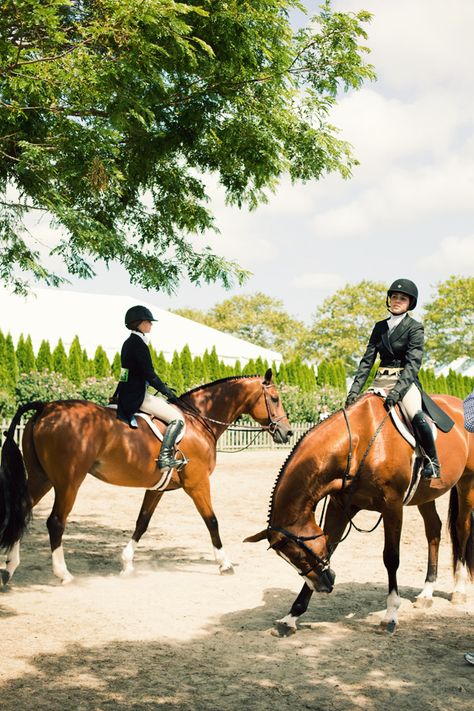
(427, 592)
(393, 603)
(288, 621)
(225, 566)
(127, 557)
(59, 566)
(460, 578)
(13, 558)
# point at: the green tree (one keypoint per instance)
(11, 364)
(76, 362)
(176, 376)
(44, 360)
(257, 318)
(449, 320)
(198, 370)
(116, 366)
(187, 367)
(60, 361)
(113, 110)
(162, 367)
(25, 356)
(343, 323)
(101, 363)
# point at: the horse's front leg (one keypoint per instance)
(334, 525)
(149, 504)
(433, 536)
(392, 522)
(201, 495)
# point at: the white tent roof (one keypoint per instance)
(98, 320)
(463, 365)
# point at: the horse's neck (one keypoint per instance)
(309, 473)
(225, 401)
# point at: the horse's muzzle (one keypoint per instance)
(326, 581)
(281, 435)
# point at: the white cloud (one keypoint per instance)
(404, 197)
(320, 281)
(454, 254)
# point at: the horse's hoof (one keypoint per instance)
(127, 572)
(423, 602)
(67, 579)
(227, 571)
(458, 598)
(389, 626)
(4, 576)
(283, 630)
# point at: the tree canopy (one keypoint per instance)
(257, 318)
(112, 113)
(449, 320)
(344, 321)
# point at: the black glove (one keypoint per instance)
(170, 394)
(392, 398)
(352, 397)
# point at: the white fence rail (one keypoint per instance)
(231, 440)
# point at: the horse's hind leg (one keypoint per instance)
(149, 504)
(56, 523)
(461, 524)
(392, 523)
(38, 486)
(433, 536)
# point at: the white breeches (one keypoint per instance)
(412, 401)
(158, 407)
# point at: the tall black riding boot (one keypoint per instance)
(424, 435)
(166, 460)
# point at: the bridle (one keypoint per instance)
(321, 565)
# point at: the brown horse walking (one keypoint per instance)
(376, 478)
(65, 440)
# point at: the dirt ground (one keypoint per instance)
(177, 635)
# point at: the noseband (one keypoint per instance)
(321, 565)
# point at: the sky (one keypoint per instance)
(408, 209)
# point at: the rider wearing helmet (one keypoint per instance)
(399, 341)
(136, 374)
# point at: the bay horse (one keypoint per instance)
(67, 439)
(358, 458)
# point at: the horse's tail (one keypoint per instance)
(15, 503)
(452, 521)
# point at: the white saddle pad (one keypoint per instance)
(152, 425)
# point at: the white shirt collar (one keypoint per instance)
(143, 336)
(393, 321)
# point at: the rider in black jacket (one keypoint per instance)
(136, 374)
(399, 341)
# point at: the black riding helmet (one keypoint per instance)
(404, 286)
(138, 313)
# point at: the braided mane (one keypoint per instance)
(288, 459)
(217, 382)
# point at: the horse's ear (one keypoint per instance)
(268, 377)
(257, 537)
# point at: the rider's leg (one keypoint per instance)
(424, 435)
(174, 419)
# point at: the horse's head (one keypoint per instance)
(268, 411)
(309, 554)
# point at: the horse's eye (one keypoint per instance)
(274, 399)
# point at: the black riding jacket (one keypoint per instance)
(135, 356)
(401, 348)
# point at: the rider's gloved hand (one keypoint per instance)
(392, 398)
(170, 394)
(352, 397)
